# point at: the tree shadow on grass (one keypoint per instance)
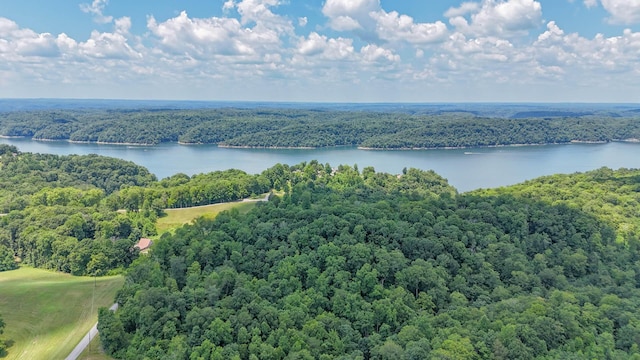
(4, 345)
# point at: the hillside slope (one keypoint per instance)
(364, 265)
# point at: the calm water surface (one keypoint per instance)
(466, 169)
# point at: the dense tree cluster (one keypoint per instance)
(7, 259)
(286, 127)
(83, 214)
(81, 240)
(23, 174)
(181, 191)
(365, 265)
(613, 196)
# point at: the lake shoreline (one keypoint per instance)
(496, 167)
(365, 148)
(88, 142)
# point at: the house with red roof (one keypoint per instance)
(144, 244)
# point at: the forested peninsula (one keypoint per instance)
(341, 262)
(282, 127)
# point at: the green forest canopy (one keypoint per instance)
(346, 264)
(83, 214)
(366, 265)
(285, 127)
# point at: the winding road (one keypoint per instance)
(87, 338)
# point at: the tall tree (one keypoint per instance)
(7, 261)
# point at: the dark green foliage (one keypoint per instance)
(7, 261)
(8, 150)
(65, 212)
(374, 266)
(112, 334)
(311, 128)
(26, 174)
(55, 216)
(3, 345)
(181, 191)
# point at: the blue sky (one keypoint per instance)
(322, 50)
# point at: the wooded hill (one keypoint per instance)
(366, 265)
(287, 127)
(83, 214)
(347, 264)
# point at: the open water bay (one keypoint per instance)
(466, 169)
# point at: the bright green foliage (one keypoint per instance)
(111, 331)
(52, 177)
(372, 266)
(613, 196)
(64, 211)
(180, 191)
(73, 239)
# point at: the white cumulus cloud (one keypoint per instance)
(485, 45)
(367, 20)
(96, 8)
(259, 12)
(622, 11)
(108, 46)
(464, 9)
(16, 42)
(201, 38)
(499, 17)
(328, 48)
(395, 27)
(374, 53)
(39, 45)
(345, 15)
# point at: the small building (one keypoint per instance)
(144, 244)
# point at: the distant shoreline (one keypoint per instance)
(12, 137)
(272, 147)
(110, 143)
(367, 148)
(91, 142)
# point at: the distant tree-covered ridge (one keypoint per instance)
(288, 127)
(351, 264)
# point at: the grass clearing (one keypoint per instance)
(178, 217)
(47, 313)
(94, 351)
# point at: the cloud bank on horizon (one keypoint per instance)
(331, 50)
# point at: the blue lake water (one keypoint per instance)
(466, 169)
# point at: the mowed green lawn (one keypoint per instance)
(178, 217)
(47, 313)
(94, 351)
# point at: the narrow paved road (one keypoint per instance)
(265, 198)
(87, 338)
(94, 330)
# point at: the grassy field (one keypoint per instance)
(178, 217)
(47, 313)
(94, 351)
